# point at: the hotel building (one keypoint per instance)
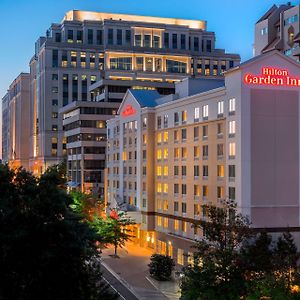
(93, 56)
(167, 156)
(15, 119)
(279, 28)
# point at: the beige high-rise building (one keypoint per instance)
(16, 120)
(84, 57)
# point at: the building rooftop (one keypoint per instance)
(146, 98)
(80, 15)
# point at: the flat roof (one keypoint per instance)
(81, 15)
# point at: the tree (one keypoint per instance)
(114, 229)
(216, 273)
(161, 267)
(46, 250)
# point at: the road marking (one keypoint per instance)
(113, 288)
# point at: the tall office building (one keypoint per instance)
(15, 122)
(111, 52)
(279, 29)
(168, 156)
(5, 127)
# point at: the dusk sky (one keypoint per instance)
(24, 21)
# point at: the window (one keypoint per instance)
(176, 223)
(231, 171)
(99, 37)
(174, 40)
(264, 31)
(231, 128)
(196, 171)
(176, 136)
(205, 131)
(205, 171)
(159, 154)
(231, 105)
(54, 58)
(183, 207)
(54, 128)
(205, 111)
(205, 191)
(220, 192)
(54, 102)
(166, 153)
(119, 36)
(166, 222)
(220, 171)
(165, 188)
(196, 133)
(231, 150)
(196, 151)
(196, 114)
(176, 153)
(184, 227)
(70, 36)
(220, 129)
(183, 116)
(182, 41)
(196, 190)
(140, 63)
(184, 152)
(54, 115)
(166, 40)
(231, 193)
(158, 171)
(220, 108)
(110, 36)
(183, 192)
(159, 187)
(159, 138)
(166, 136)
(138, 40)
(176, 190)
(159, 221)
(176, 170)
(121, 63)
(208, 46)
(196, 43)
(166, 121)
(55, 77)
(205, 151)
(180, 257)
(183, 170)
(176, 118)
(165, 205)
(159, 122)
(128, 37)
(174, 66)
(197, 209)
(90, 36)
(220, 149)
(156, 41)
(183, 134)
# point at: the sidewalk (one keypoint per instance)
(132, 269)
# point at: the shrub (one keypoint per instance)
(161, 267)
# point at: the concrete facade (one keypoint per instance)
(5, 128)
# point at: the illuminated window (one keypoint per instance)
(100, 124)
(166, 206)
(176, 225)
(166, 170)
(220, 192)
(176, 153)
(159, 154)
(196, 190)
(183, 152)
(166, 188)
(82, 59)
(197, 114)
(205, 111)
(166, 153)
(184, 226)
(220, 107)
(159, 221)
(231, 127)
(159, 187)
(220, 171)
(183, 116)
(54, 115)
(159, 137)
(232, 149)
(124, 156)
(74, 59)
(144, 139)
(191, 259)
(159, 171)
(166, 222)
(166, 136)
(197, 209)
(196, 151)
(159, 205)
(232, 105)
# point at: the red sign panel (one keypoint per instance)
(128, 111)
(272, 76)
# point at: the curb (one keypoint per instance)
(109, 269)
